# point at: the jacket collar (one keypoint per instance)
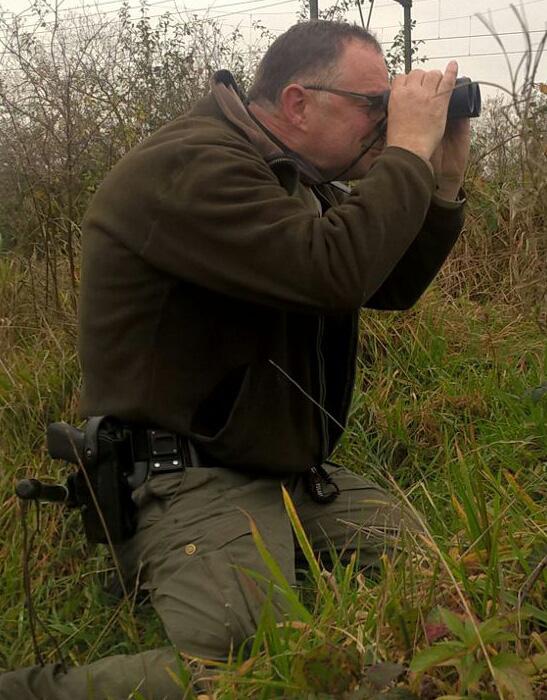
(288, 165)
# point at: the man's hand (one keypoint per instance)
(450, 158)
(417, 109)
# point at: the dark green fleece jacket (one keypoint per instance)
(217, 303)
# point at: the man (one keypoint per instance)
(221, 284)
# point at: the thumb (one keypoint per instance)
(449, 78)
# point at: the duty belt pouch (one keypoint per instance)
(100, 484)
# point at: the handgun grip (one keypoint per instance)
(65, 442)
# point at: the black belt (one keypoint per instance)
(156, 451)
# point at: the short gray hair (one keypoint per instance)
(306, 51)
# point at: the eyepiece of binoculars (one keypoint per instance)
(465, 100)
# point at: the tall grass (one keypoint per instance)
(444, 414)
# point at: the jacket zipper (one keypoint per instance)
(323, 199)
(350, 376)
(322, 389)
(348, 390)
(325, 438)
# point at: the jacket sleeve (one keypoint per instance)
(216, 216)
(416, 269)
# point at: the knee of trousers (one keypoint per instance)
(212, 602)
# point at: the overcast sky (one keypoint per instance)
(450, 29)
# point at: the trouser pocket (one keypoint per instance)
(211, 603)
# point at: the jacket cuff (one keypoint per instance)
(445, 218)
(450, 203)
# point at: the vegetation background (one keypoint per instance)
(449, 408)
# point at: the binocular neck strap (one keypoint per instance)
(380, 130)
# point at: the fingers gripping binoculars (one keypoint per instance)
(464, 102)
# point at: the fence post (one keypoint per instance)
(407, 5)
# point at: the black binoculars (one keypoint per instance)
(465, 100)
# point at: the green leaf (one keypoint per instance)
(435, 655)
(473, 674)
(502, 637)
(469, 632)
(303, 541)
(514, 682)
(454, 624)
(505, 660)
(296, 606)
(490, 629)
(535, 664)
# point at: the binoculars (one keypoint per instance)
(465, 100)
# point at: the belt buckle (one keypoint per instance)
(165, 455)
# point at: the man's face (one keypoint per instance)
(340, 125)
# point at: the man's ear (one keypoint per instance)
(295, 103)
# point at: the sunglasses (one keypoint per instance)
(376, 103)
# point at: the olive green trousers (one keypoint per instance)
(191, 552)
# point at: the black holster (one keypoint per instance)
(99, 487)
